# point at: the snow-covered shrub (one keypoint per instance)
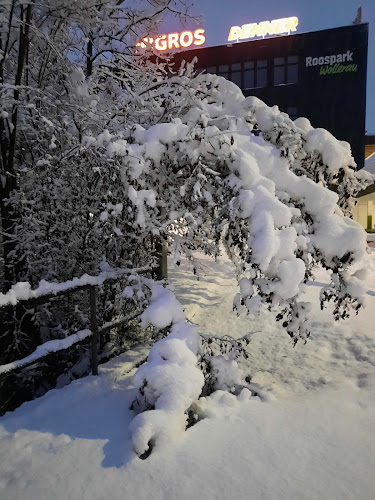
(204, 165)
(218, 182)
(313, 153)
(170, 382)
(217, 360)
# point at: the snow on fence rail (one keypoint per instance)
(45, 349)
(22, 292)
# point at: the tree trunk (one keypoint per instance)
(9, 217)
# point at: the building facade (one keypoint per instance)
(364, 212)
(319, 75)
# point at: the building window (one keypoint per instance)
(224, 71)
(255, 74)
(279, 71)
(285, 70)
(248, 75)
(261, 74)
(292, 69)
(235, 74)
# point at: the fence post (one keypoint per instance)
(161, 250)
(94, 329)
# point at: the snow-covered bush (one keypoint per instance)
(170, 382)
(218, 362)
(218, 182)
(203, 163)
(314, 153)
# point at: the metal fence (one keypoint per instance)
(95, 333)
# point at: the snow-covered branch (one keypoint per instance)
(22, 291)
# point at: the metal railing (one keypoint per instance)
(47, 293)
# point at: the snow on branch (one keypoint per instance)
(22, 291)
(45, 349)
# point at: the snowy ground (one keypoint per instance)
(312, 437)
(338, 352)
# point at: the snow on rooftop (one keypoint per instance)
(370, 164)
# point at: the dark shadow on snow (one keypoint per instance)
(90, 408)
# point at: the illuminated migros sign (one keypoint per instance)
(275, 27)
(174, 40)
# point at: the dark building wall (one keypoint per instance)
(369, 145)
(277, 71)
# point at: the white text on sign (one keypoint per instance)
(275, 27)
(174, 40)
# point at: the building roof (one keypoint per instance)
(369, 145)
(370, 164)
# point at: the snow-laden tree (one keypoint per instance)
(68, 69)
(220, 170)
(218, 182)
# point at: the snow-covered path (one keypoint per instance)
(313, 438)
(337, 352)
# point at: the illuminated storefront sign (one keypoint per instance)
(275, 27)
(174, 40)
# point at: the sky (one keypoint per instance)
(217, 16)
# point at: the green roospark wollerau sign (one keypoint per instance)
(331, 65)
